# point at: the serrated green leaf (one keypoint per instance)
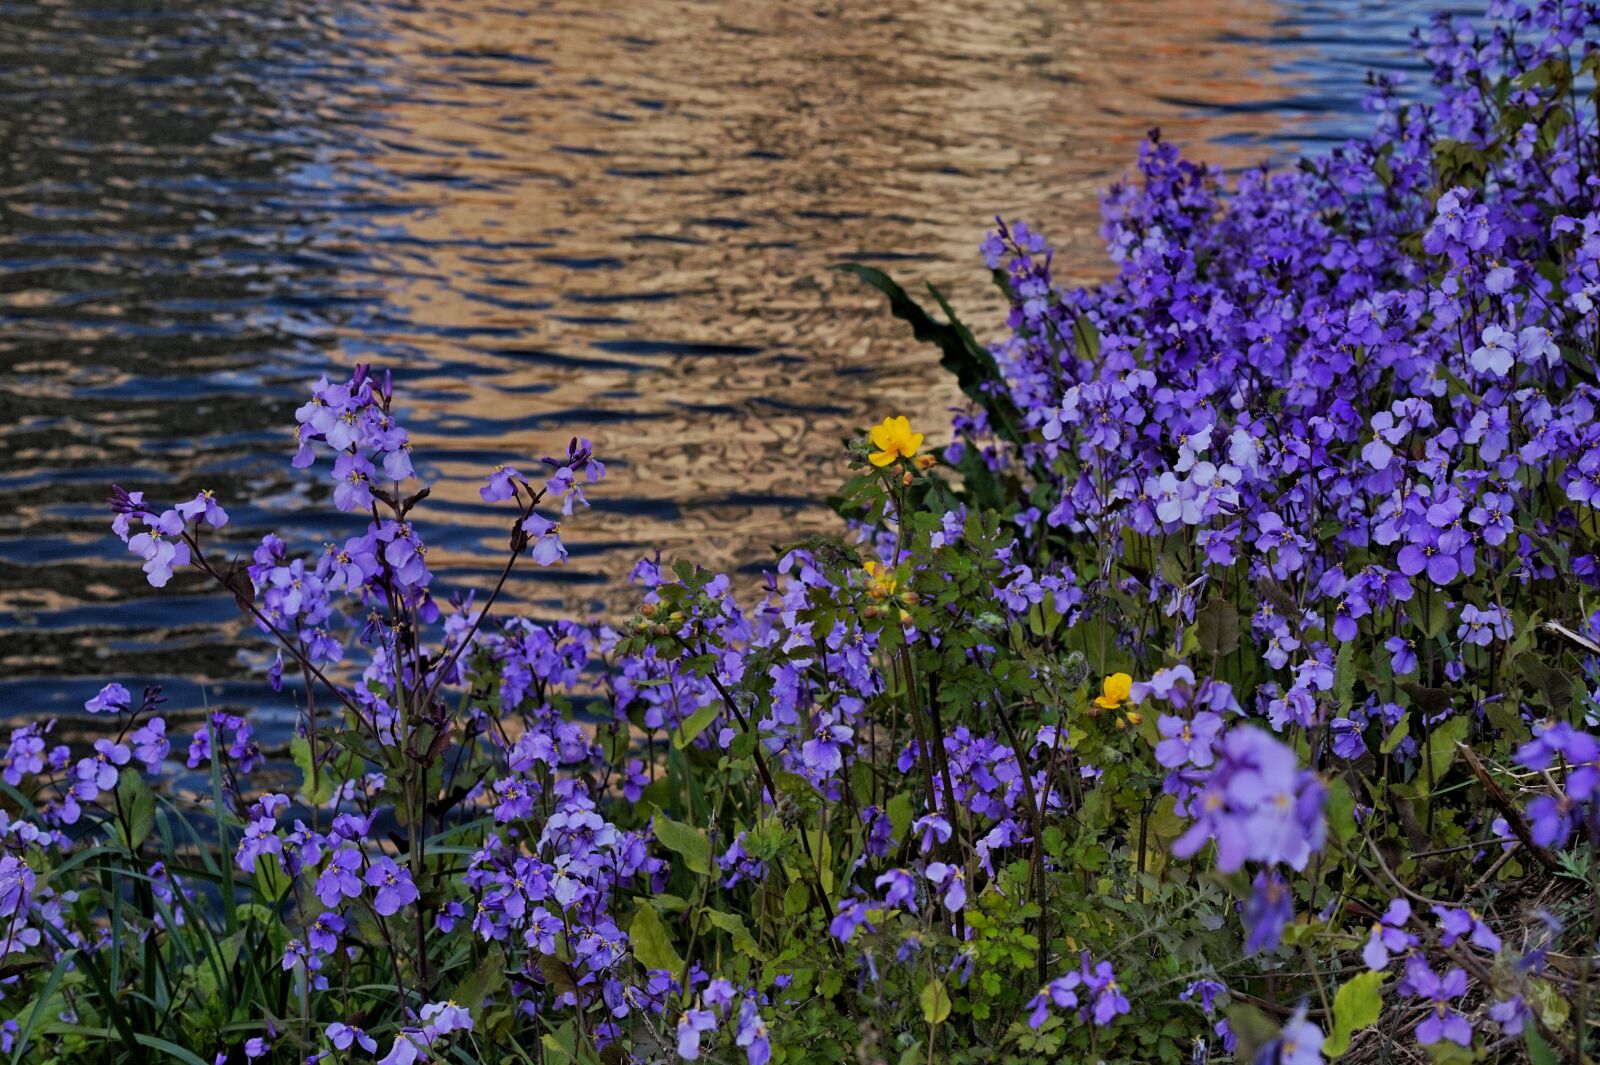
(743, 941)
(795, 899)
(962, 355)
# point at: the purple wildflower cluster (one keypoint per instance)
(1249, 540)
(1347, 423)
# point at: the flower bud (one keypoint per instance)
(1075, 671)
(926, 462)
(648, 610)
(906, 478)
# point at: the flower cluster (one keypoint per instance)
(1252, 623)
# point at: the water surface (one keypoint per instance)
(550, 218)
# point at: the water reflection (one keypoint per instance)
(549, 218)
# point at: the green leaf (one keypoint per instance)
(1356, 1006)
(1554, 1007)
(1217, 628)
(686, 842)
(137, 804)
(796, 898)
(1539, 1052)
(1553, 684)
(1341, 811)
(1442, 745)
(972, 365)
(560, 1047)
(694, 724)
(1085, 339)
(315, 788)
(743, 941)
(900, 810)
(651, 947)
(1252, 1028)
(1396, 734)
(935, 1002)
(1344, 676)
(477, 986)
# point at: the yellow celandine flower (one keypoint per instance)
(881, 581)
(1115, 691)
(894, 439)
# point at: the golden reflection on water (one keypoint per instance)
(668, 183)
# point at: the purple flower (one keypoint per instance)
(954, 882)
(1442, 1021)
(1269, 908)
(901, 889)
(1389, 936)
(1299, 1043)
(1404, 652)
(691, 1025)
(324, 932)
(1106, 1001)
(1483, 625)
(99, 773)
(1498, 353)
(354, 475)
(161, 546)
(1455, 923)
(394, 886)
(1256, 803)
(204, 506)
(751, 1034)
(1347, 741)
(501, 484)
(1187, 742)
(1512, 1014)
(823, 751)
(545, 540)
(850, 915)
(340, 879)
(1060, 992)
(112, 699)
(1207, 989)
(342, 1035)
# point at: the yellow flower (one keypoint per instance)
(880, 579)
(1115, 691)
(894, 439)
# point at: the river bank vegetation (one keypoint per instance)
(1220, 686)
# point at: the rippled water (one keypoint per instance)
(550, 218)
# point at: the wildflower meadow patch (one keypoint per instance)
(1222, 687)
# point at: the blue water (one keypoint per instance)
(613, 220)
